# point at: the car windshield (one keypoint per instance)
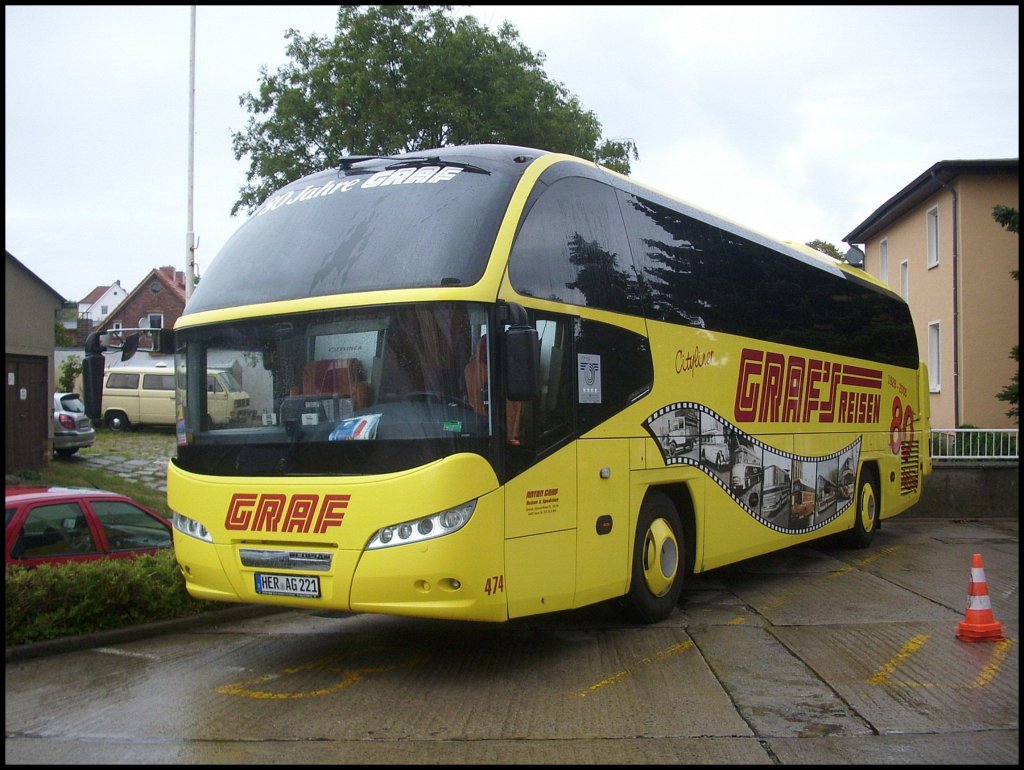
(347, 391)
(71, 402)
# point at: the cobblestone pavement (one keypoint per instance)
(151, 471)
(135, 456)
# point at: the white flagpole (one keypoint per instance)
(190, 250)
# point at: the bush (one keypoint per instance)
(54, 601)
(70, 371)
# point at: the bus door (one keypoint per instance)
(540, 490)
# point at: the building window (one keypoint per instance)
(156, 320)
(905, 280)
(933, 236)
(934, 360)
(103, 310)
(883, 261)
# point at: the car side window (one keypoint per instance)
(158, 382)
(128, 527)
(119, 381)
(59, 529)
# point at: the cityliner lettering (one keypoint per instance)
(302, 513)
(689, 362)
(773, 387)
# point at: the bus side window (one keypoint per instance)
(548, 422)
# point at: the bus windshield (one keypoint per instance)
(390, 224)
(367, 390)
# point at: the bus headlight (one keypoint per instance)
(426, 528)
(191, 527)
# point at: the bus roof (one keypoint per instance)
(398, 224)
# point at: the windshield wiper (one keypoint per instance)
(436, 161)
(346, 163)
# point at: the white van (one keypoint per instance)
(144, 395)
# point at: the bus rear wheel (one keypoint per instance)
(866, 523)
(658, 560)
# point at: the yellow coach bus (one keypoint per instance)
(492, 381)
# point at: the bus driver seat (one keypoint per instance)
(341, 377)
(476, 391)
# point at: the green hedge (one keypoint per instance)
(54, 601)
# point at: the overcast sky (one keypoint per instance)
(797, 122)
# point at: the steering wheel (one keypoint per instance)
(424, 395)
(429, 396)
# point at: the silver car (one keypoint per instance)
(72, 428)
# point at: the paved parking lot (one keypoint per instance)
(810, 655)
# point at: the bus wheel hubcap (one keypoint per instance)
(867, 508)
(661, 557)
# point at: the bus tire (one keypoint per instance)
(866, 522)
(117, 421)
(658, 560)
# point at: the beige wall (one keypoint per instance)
(29, 317)
(988, 297)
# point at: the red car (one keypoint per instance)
(50, 525)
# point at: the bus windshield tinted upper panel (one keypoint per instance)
(382, 224)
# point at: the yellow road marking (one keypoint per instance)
(884, 675)
(675, 649)
(345, 678)
(992, 667)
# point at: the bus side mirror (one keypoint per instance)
(92, 376)
(522, 363)
(130, 346)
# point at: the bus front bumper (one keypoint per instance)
(458, 576)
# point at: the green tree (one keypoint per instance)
(62, 338)
(1010, 219)
(403, 78)
(826, 248)
(70, 369)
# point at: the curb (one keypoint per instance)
(120, 635)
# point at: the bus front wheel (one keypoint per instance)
(658, 559)
(866, 523)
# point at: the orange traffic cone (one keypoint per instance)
(979, 625)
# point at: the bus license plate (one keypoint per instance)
(306, 586)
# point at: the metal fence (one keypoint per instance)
(974, 444)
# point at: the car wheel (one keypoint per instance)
(658, 559)
(117, 421)
(66, 452)
(866, 522)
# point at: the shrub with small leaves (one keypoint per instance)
(55, 601)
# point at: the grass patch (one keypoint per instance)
(130, 445)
